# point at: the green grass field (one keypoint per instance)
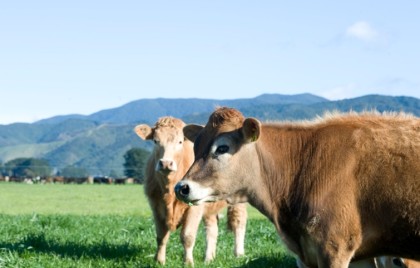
(110, 226)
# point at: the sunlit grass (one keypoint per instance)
(110, 226)
(96, 199)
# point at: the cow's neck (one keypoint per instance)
(174, 207)
(173, 178)
(279, 155)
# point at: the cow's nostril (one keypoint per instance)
(160, 164)
(397, 262)
(185, 190)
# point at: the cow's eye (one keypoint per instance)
(155, 141)
(180, 142)
(221, 149)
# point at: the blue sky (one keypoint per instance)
(63, 57)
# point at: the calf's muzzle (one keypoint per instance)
(166, 165)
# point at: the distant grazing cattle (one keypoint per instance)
(120, 180)
(102, 180)
(58, 179)
(169, 161)
(345, 187)
(73, 180)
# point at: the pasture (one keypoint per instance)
(110, 226)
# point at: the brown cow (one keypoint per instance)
(327, 185)
(168, 163)
(394, 262)
(379, 262)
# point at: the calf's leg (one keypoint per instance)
(162, 237)
(237, 217)
(212, 229)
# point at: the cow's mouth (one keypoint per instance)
(207, 199)
(165, 171)
(193, 194)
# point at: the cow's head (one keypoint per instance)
(223, 163)
(167, 134)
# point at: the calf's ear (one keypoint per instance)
(144, 131)
(191, 131)
(251, 129)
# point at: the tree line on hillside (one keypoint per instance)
(36, 169)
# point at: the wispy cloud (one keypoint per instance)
(395, 85)
(362, 30)
(392, 86)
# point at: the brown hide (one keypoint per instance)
(340, 188)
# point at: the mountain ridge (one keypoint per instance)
(154, 108)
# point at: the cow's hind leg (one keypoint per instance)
(189, 232)
(237, 217)
(212, 229)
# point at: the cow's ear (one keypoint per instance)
(191, 131)
(251, 129)
(144, 131)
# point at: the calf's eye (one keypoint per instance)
(222, 149)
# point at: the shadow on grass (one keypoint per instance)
(38, 243)
(271, 262)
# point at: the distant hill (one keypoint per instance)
(98, 141)
(366, 103)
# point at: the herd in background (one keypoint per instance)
(171, 159)
(70, 180)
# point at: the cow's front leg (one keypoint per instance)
(189, 232)
(162, 237)
(328, 261)
(336, 251)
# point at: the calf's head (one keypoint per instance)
(224, 160)
(167, 134)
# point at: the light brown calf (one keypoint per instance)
(346, 187)
(171, 157)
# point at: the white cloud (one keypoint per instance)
(362, 30)
(340, 92)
